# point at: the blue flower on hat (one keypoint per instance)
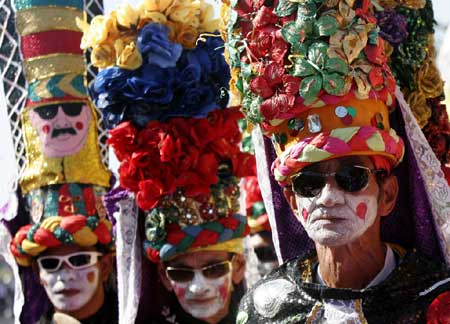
(156, 48)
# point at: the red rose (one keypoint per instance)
(122, 140)
(291, 85)
(279, 50)
(167, 148)
(103, 233)
(129, 177)
(150, 192)
(260, 86)
(376, 53)
(277, 106)
(264, 17)
(206, 237)
(260, 42)
(376, 77)
(244, 164)
(274, 73)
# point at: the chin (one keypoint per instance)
(332, 239)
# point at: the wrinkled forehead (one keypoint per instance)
(335, 164)
(199, 259)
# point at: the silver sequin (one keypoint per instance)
(269, 297)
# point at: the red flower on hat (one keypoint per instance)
(206, 237)
(153, 255)
(150, 192)
(123, 140)
(229, 222)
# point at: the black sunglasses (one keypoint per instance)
(213, 271)
(352, 178)
(50, 111)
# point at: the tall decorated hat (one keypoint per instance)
(163, 88)
(62, 176)
(323, 79)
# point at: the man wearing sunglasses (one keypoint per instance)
(366, 251)
(203, 283)
(62, 127)
(73, 279)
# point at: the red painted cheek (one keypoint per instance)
(223, 290)
(305, 214)
(79, 125)
(45, 129)
(180, 292)
(361, 211)
(90, 276)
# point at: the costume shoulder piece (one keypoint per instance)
(416, 290)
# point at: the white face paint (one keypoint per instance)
(202, 297)
(336, 217)
(68, 289)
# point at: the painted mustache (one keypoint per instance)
(61, 131)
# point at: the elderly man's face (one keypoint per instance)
(331, 215)
(62, 128)
(203, 282)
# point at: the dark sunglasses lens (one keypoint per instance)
(308, 184)
(80, 260)
(47, 112)
(50, 263)
(217, 270)
(180, 275)
(72, 109)
(352, 179)
(265, 254)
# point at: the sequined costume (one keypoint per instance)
(290, 294)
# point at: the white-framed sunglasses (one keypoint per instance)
(76, 261)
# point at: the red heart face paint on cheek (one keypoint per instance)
(305, 214)
(79, 125)
(179, 291)
(46, 129)
(90, 276)
(223, 290)
(361, 211)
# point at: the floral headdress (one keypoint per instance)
(326, 89)
(177, 145)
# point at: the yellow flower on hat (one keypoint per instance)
(207, 21)
(127, 16)
(186, 35)
(185, 12)
(128, 55)
(151, 17)
(156, 5)
(100, 30)
(103, 56)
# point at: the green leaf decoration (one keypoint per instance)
(258, 209)
(299, 49)
(303, 68)
(246, 70)
(327, 25)
(235, 57)
(306, 27)
(285, 8)
(317, 54)
(373, 37)
(233, 3)
(240, 85)
(337, 65)
(333, 83)
(291, 33)
(307, 10)
(310, 87)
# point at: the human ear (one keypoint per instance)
(106, 263)
(238, 268)
(290, 197)
(388, 195)
(162, 275)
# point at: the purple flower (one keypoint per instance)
(156, 48)
(393, 26)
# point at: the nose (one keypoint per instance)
(61, 120)
(331, 195)
(65, 273)
(198, 284)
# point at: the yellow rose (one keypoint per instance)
(128, 56)
(103, 56)
(151, 16)
(419, 107)
(207, 22)
(102, 29)
(127, 16)
(156, 5)
(186, 12)
(186, 36)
